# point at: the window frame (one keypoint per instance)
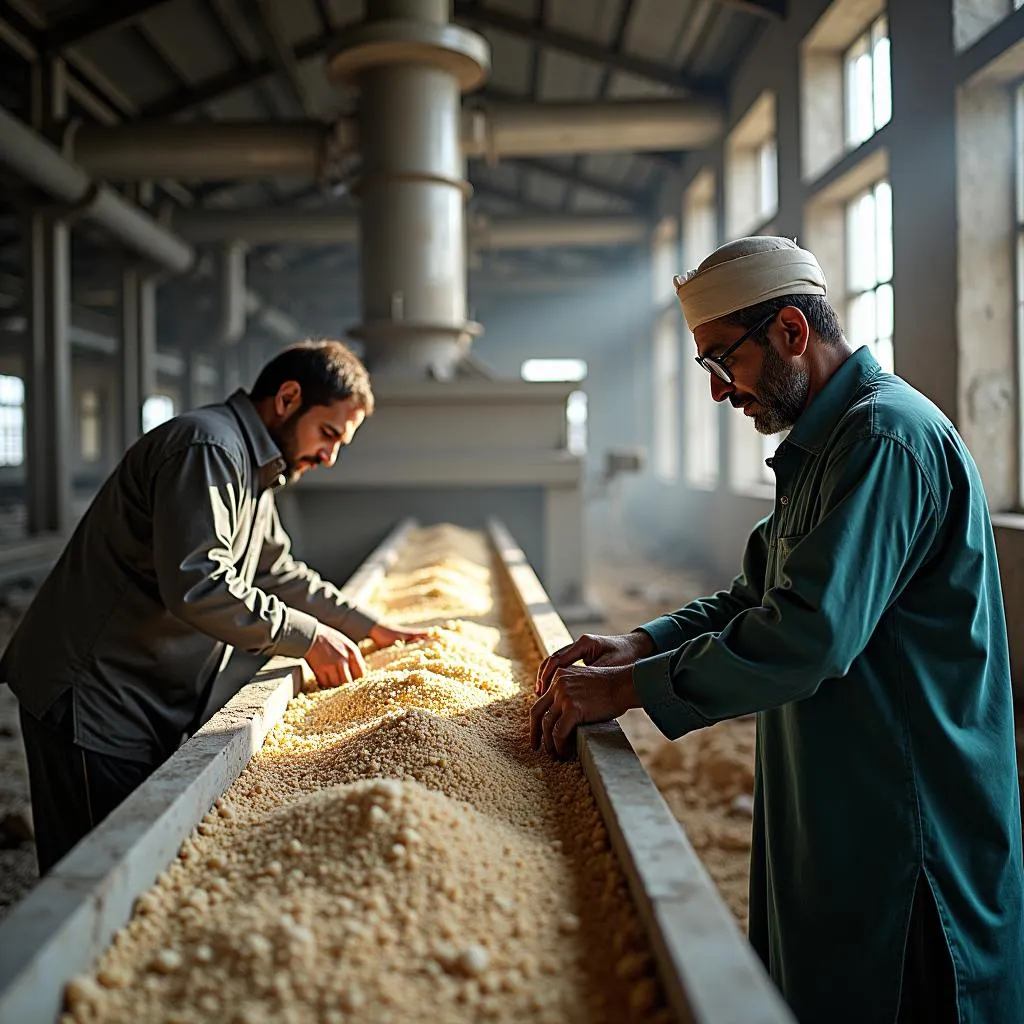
(870, 46)
(12, 423)
(1018, 201)
(856, 290)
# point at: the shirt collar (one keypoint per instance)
(267, 455)
(817, 422)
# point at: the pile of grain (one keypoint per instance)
(396, 852)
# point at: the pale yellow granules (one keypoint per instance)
(476, 884)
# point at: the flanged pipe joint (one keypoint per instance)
(411, 66)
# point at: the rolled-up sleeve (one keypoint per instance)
(301, 587)
(878, 519)
(196, 501)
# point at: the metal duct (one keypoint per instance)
(260, 226)
(240, 150)
(559, 129)
(548, 232)
(39, 163)
(411, 66)
(210, 151)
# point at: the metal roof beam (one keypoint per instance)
(237, 78)
(580, 180)
(94, 19)
(773, 9)
(587, 49)
(266, 18)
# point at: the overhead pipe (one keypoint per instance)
(39, 163)
(309, 149)
(260, 226)
(208, 151)
(565, 129)
(556, 232)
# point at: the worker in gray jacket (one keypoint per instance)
(180, 559)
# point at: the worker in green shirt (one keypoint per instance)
(866, 630)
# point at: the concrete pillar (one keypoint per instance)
(924, 224)
(48, 376)
(411, 66)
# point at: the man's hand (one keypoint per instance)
(385, 636)
(334, 659)
(596, 651)
(578, 695)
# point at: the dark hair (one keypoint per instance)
(821, 317)
(327, 372)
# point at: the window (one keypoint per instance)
(700, 413)
(554, 369)
(1019, 219)
(751, 170)
(12, 421)
(767, 162)
(89, 425)
(869, 308)
(560, 371)
(665, 351)
(576, 423)
(868, 84)
(156, 409)
(666, 395)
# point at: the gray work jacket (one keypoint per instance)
(180, 558)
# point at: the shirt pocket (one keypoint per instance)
(784, 548)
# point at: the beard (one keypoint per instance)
(782, 391)
(284, 437)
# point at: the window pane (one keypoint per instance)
(881, 74)
(859, 116)
(12, 420)
(862, 319)
(767, 180)
(883, 231)
(665, 425)
(700, 417)
(156, 409)
(1020, 153)
(576, 422)
(884, 312)
(861, 244)
(554, 369)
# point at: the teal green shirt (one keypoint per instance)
(866, 630)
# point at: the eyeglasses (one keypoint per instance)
(716, 364)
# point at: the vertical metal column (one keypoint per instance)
(411, 66)
(138, 339)
(48, 366)
(131, 394)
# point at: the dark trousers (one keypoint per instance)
(929, 985)
(73, 789)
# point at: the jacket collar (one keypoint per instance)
(816, 423)
(266, 454)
